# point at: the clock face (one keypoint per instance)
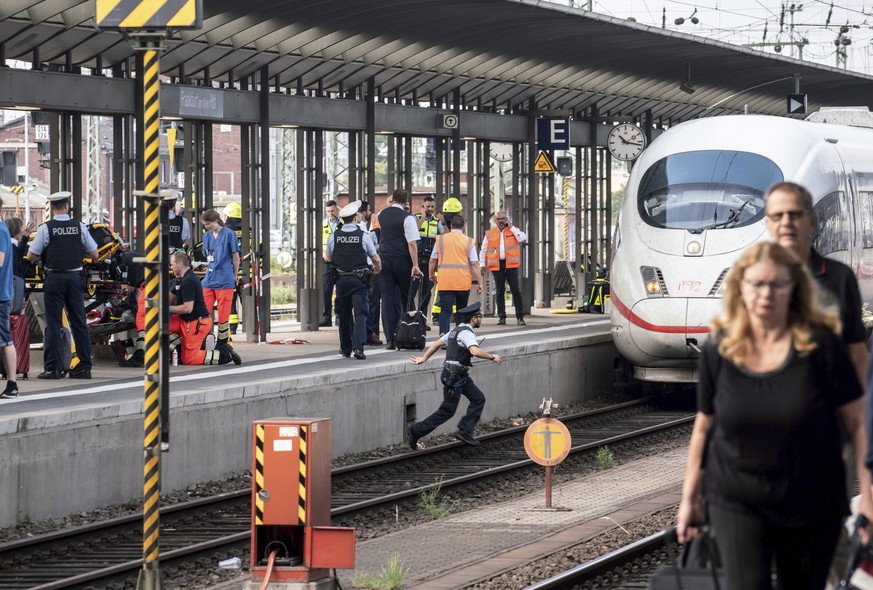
(502, 152)
(626, 142)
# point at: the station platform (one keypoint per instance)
(462, 549)
(73, 445)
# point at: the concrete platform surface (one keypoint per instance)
(461, 549)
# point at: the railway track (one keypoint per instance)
(110, 552)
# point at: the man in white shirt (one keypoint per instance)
(501, 253)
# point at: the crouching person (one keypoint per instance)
(190, 322)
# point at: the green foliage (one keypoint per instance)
(282, 295)
(437, 505)
(390, 577)
(605, 458)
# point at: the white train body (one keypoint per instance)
(694, 201)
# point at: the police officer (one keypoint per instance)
(179, 226)
(428, 228)
(347, 252)
(461, 346)
(62, 243)
(330, 225)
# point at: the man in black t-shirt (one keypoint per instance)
(791, 221)
(190, 322)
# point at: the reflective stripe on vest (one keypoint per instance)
(510, 246)
(428, 229)
(326, 231)
(453, 264)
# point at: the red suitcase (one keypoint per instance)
(21, 339)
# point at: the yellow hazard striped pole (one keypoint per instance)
(150, 578)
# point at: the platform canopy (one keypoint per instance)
(497, 54)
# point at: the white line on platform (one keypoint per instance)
(267, 366)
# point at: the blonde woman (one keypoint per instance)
(775, 378)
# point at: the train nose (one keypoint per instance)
(673, 327)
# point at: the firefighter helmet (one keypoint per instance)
(452, 205)
(232, 210)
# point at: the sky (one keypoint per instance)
(745, 22)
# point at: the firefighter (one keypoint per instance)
(451, 207)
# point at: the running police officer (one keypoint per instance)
(461, 346)
(347, 251)
(62, 243)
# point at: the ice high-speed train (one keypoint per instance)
(695, 200)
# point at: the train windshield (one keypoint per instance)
(710, 189)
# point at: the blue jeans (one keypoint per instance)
(447, 300)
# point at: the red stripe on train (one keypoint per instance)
(638, 321)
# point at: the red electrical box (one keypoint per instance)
(291, 464)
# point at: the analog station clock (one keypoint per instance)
(502, 152)
(626, 142)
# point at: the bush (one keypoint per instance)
(283, 295)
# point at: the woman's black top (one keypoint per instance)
(776, 447)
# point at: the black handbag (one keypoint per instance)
(697, 566)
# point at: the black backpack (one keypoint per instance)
(412, 325)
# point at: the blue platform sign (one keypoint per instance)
(553, 134)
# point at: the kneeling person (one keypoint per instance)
(461, 346)
(190, 321)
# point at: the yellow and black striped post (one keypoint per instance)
(155, 271)
(301, 480)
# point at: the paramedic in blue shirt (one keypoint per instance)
(62, 243)
(221, 249)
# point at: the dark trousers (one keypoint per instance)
(502, 276)
(327, 284)
(394, 283)
(451, 398)
(747, 544)
(426, 288)
(375, 304)
(447, 300)
(64, 290)
(352, 309)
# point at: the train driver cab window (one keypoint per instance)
(707, 189)
(832, 231)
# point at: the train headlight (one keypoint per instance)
(693, 248)
(653, 282)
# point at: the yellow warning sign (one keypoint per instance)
(543, 165)
(149, 14)
(547, 441)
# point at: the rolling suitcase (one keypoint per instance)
(20, 326)
(412, 325)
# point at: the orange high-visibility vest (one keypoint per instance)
(510, 246)
(453, 262)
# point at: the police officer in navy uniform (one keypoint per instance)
(347, 251)
(61, 244)
(179, 226)
(461, 346)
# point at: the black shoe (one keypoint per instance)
(467, 438)
(137, 360)
(501, 321)
(345, 354)
(391, 345)
(374, 342)
(80, 374)
(234, 356)
(53, 374)
(11, 391)
(521, 322)
(359, 354)
(325, 323)
(412, 439)
(426, 328)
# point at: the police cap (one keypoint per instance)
(350, 210)
(60, 196)
(471, 310)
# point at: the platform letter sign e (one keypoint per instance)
(553, 134)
